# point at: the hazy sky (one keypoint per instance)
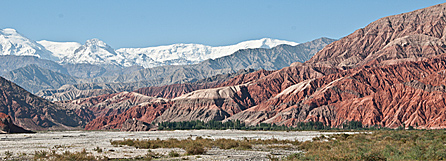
(143, 23)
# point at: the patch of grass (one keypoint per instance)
(199, 145)
(377, 145)
(194, 148)
(66, 155)
(173, 154)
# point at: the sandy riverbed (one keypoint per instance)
(75, 141)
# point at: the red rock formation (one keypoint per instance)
(411, 93)
(145, 112)
(365, 44)
(389, 73)
(7, 127)
(107, 104)
(32, 112)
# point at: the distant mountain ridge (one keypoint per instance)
(95, 62)
(97, 52)
(269, 59)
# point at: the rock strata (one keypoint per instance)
(390, 73)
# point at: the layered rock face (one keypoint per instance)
(8, 127)
(34, 113)
(410, 93)
(410, 36)
(107, 104)
(145, 112)
(390, 73)
(175, 90)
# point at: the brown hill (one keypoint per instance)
(32, 112)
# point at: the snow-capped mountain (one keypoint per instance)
(60, 49)
(181, 54)
(95, 51)
(13, 43)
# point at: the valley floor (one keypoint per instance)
(26, 145)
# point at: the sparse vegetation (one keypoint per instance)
(376, 145)
(199, 145)
(8, 154)
(67, 155)
(98, 149)
(173, 154)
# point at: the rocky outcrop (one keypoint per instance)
(34, 113)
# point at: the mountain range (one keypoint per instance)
(46, 65)
(40, 77)
(97, 52)
(389, 74)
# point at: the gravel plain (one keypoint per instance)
(76, 141)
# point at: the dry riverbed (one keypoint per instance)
(25, 145)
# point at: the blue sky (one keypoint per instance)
(143, 23)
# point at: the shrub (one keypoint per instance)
(194, 149)
(173, 154)
(98, 149)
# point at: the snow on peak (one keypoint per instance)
(96, 42)
(9, 31)
(182, 54)
(95, 51)
(13, 43)
(60, 49)
(265, 43)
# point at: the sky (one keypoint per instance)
(145, 23)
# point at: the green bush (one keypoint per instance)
(173, 154)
